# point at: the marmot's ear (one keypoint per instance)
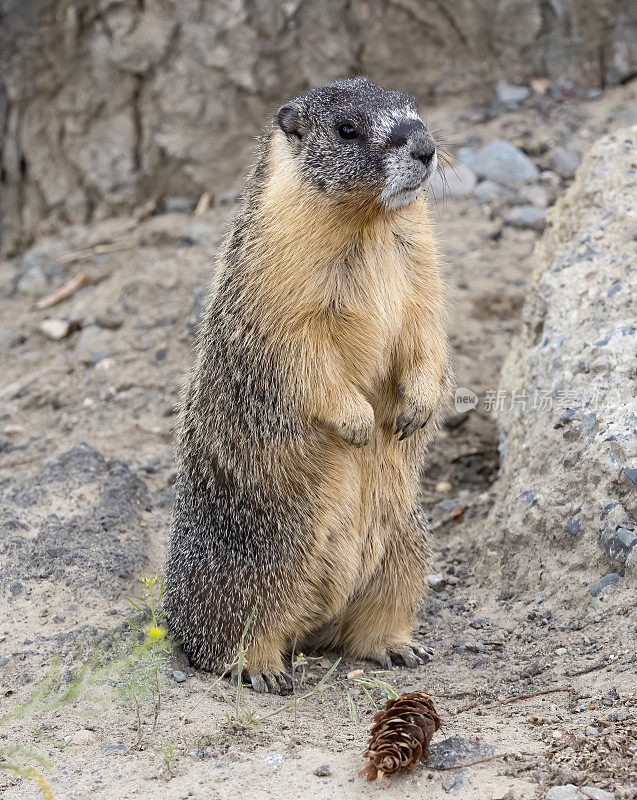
(290, 121)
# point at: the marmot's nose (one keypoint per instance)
(423, 149)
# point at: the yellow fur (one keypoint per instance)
(356, 292)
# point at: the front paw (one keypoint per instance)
(415, 415)
(356, 432)
(354, 425)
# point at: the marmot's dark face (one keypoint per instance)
(354, 138)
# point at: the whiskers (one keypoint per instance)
(447, 150)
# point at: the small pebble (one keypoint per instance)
(82, 737)
(55, 329)
(179, 676)
(437, 582)
(565, 162)
(607, 580)
(115, 748)
(323, 771)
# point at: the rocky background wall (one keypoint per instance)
(110, 104)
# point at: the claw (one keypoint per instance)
(267, 682)
(272, 683)
(258, 682)
(287, 679)
(424, 653)
(409, 422)
(384, 659)
(410, 656)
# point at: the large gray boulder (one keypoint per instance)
(566, 503)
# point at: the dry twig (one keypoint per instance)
(203, 204)
(604, 662)
(534, 694)
(96, 250)
(64, 292)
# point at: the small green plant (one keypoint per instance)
(351, 706)
(240, 665)
(373, 681)
(252, 719)
(301, 661)
(149, 607)
(239, 714)
(369, 683)
(151, 650)
(167, 760)
(138, 658)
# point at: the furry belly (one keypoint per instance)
(368, 495)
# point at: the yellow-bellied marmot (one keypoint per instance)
(321, 370)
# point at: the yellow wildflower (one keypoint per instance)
(155, 632)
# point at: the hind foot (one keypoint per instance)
(410, 656)
(263, 682)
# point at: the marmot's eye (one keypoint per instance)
(347, 131)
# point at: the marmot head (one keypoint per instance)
(355, 139)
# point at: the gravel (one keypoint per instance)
(94, 344)
(570, 792)
(619, 544)
(487, 191)
(55, 329)
(33, 282)
(93, 539)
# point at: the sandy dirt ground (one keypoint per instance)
(114, 384)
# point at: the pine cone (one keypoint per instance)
(400, 737)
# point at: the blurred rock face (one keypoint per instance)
(103, 106)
